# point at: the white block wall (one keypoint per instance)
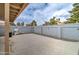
(67, 31)
(2, 30)
(51, 31)
(70, 33)
(38, 29)
(24, 29)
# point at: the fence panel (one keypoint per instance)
(70, 33)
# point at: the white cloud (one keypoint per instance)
(60, 10)
(61, 13)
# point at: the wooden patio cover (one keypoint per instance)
(8, 13)
(14, 11)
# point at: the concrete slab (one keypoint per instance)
(1, 45)
(33, 44)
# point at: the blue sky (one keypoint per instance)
(42, 12)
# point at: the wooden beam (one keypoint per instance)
(15, 6)
(12, 10)
(13, 14)
(6, 28)
(12, 19)
(23, 7)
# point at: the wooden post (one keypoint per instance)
(6, 17)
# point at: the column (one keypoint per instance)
(6, 17)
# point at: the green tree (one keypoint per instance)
(74, 14)
(46, 23)
(53, 21)
(33, 23)
(22, 24)
(28, 24)
(18, 24)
